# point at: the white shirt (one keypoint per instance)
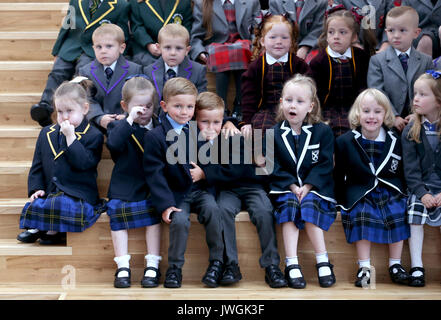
(381, 136)
(112, 66)
(398, 52)
(334, 54)
(271, 60)
(175, 68)
(149, 125)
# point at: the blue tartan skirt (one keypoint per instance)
(379, 217)
(312, 209)
(59, 212)
(130, 215)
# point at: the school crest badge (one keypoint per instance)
(315, 155)
(177, 18)
(393, 166)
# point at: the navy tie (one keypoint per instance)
(403, 59)
(430, 126)
(169, 74)
(109, 73)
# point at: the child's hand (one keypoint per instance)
(106, 119)
(167, 212)
(196, 173)
(260, 160)
(135, 113)
(120, 116)
(409, 118)
(202, 58)
(438, 199)
(429, 201)
(37, 194)
(68, 130)
(247, 131)
(229, 130)
(302, 52)
(303, 191)
(400, 123)
(294, 189)
(153, 48)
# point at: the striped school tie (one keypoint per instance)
(299, 6)
(403, 59)
(94, 7)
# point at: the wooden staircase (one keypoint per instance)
(27, 33)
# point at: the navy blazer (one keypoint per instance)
(312, 164)
(72, 169)
(126, 146)
(354, 173)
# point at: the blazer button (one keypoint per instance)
(54, 179)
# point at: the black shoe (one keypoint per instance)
(274, 277)
(213, 274)
(28, 237)
(400, 275)
(365, 277)
(41, 112)
(231, 274)
(416, 281)
(296, 283)
(326, 281)
(173, 277)
(122, 282)
(53, 239)
(150, 282)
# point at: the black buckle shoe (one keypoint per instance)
(122, 282)
(41, 112)
(150, 282)
(274, 277)
(213, 274)
(296, 283)
(53, 239)
(400, 276)
(364, 279)
(326, 281)
(231, 274)
(417, 281)
(173, 277)
(29, 237)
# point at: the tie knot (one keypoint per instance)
(170, 74)
(403, 56)
(109, 72)
(429, 126)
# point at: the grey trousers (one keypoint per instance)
(260, 209)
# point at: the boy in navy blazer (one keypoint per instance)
(73, 47)
(173, 192)
(108, 73)
(395, 70)
(174, 45)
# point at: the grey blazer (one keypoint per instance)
(310, 20)
(191, 70)
(386, 74)
(107, 99)
(430, 15)
(246, 12)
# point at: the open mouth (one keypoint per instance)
(292, 113)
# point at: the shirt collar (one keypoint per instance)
(398, 52)
(381, 136)
(112, 66)
(334, 54)
(148, 126)
(271, 60)
(175, 68)
(176, 126)
(223, 1)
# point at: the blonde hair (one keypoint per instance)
(401, 11)
(315, 116)
(109, 29)
(72, 90)
(267, 25)
(415, 129)
(380, 98)
(138, 84)
(174, 30)
(209, 101)
(177, 86)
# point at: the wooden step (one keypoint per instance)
(23, 76)
(10, 247)
(14, 110)
(32, 16)
(27, 45)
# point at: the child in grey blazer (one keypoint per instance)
(395, 70)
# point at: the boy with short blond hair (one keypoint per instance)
(395, 70)
(108, 72)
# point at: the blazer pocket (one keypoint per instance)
(315, 152)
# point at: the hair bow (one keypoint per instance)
(334, 8)
(356, 13)
(435, 74)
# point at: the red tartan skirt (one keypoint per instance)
(229, 56)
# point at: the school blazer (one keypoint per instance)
(355, 175)
(126, 146)
(246, 12)
(310, 21)
(430, 15)
(108, 99)
(312, 165)
(76, 38)
(320, 70)
(386, 74)
(71, 169)
(419, 161)
(147, 18)
(191, 70)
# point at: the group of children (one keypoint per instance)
(337, 144)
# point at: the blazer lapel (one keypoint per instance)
(158, 76)
(394, 63)
(241, 7)
(288, 142)
(218, 10)
(412, 68)
(304, 143)
(98, 74)
(104, 9)
(121, 70)
(357, 137)
(53, 140)
(185, 68)
(388, 150)
(427, 3)
(307, 7)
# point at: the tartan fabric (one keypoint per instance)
(277, 75)
(229, 56)
(313, 209)
(130, 215)
(230, 15)
(418, 214)
(59, 212)
(373, 149)
(263, 119)
(379, 217)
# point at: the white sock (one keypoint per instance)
(33, 231)
(51, 233)
(293, 273)
(152, 261)
(323, 257)
(416, 247)
(123, 262)
(394, 261)
(364, 264)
